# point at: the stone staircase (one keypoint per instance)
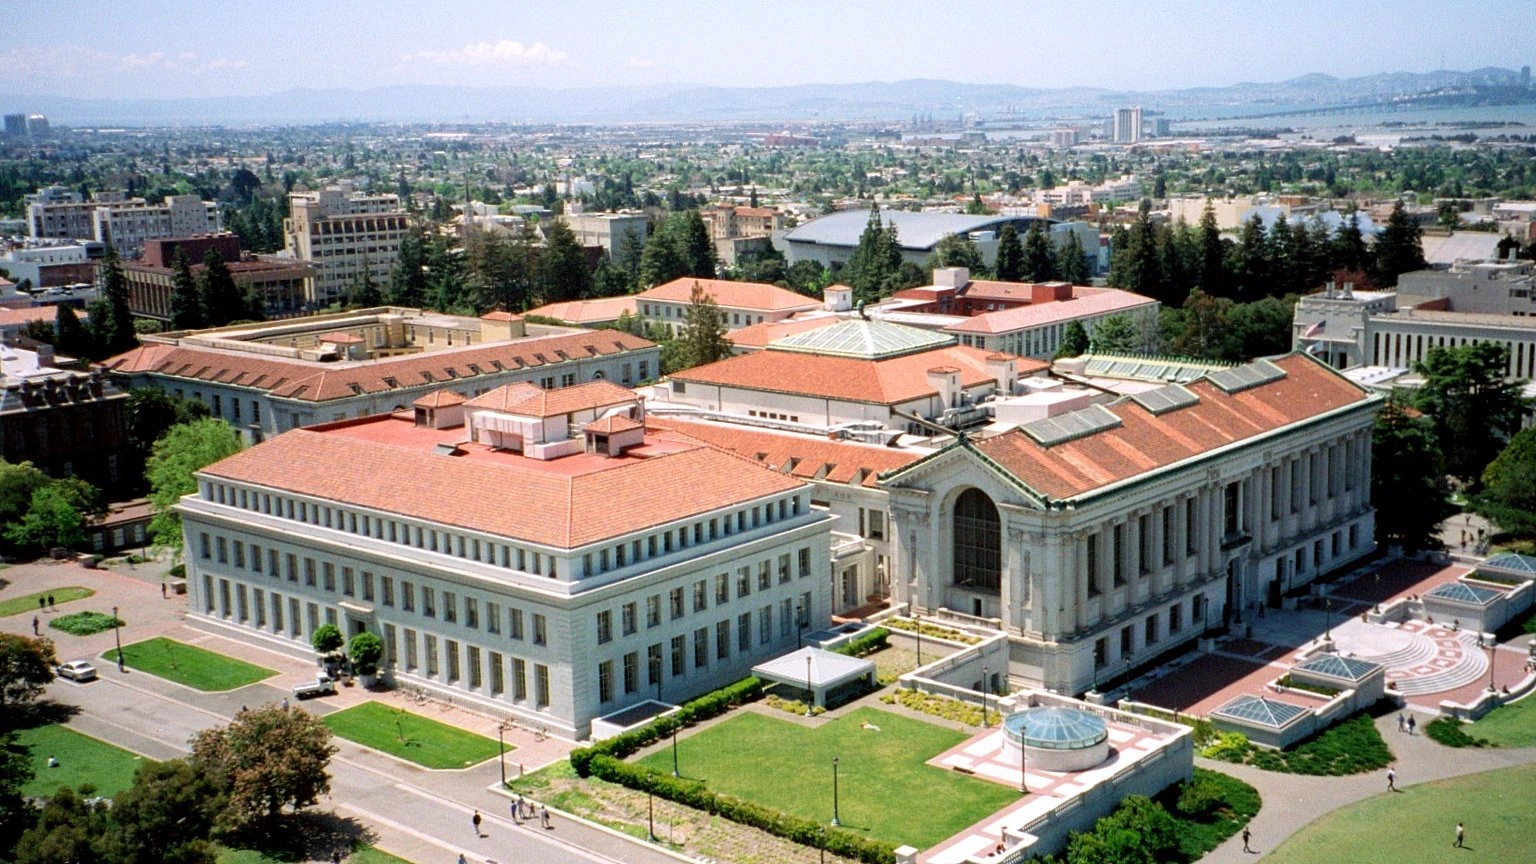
(1470, 667)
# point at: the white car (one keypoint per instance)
(77, 670)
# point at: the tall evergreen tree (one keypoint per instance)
(364, 292)
(1399, 247)
(186, 302)
(954, 250)
(220, 297)
(703, 337)
(1473, 408)
(1349, 251)
(446, 288)
(111, 321)
(1072, 261)
(661, 261)
(1010, 255)
(695, 245)
(1409, 492)
(1213, 275)
(1074, 342)
(871, 265)
(408, 281)
(626, 256)
(1039, 255)
(1253, 263)
(562, 272)
(71, 338)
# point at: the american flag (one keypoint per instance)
(1315, 329)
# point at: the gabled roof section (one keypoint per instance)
(1334, 666)
(1511, 562)
(758, 296)
(1461, 592)
(532, 401)
(864, 340)
(439, 399)
(1260, 711)
(805, 456)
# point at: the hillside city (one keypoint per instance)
(976, 485)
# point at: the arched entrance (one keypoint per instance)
(977, 547)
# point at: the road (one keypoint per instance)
(420, 814)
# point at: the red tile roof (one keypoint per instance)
(804, 456)
(500, 315)
(22, 317)
(564, 503)
(615, 423)
(319, 382)
(440, 399)
(1085, 302)
(342, 339)
(758, 296)
(533, 401)
(759, 335)
(880, 382)
(1146, 442)
(600, 310)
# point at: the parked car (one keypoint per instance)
(323, 685)
(77, 670)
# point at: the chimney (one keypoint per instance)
(1349, 290)
(837, 298)
(1004, 370)
(1328, 289)
(951, 277)
(946, 381)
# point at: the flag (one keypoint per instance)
(1316, 348)
(1315, 329)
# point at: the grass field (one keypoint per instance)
(82, 759)
(780, 764)
(28, 602)
(188, 664)
(1510, 726)
(1418, 824)
(362, 855)
(427, 742)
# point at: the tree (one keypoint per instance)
(186, 300)
(1262, 328)
(69, 830)
(1114, 335)
(953, 250)
(111, 321)
(875, 261)
(1399, 247)
(52, 519)
(221, 299)
(70, 337)
(695, 246)
(1470, 405)
(1139, 831)
(1349, 251)
(1202, 328)
(1010, 255)
(1213, 278)
(181, 452)
(269, 759)
(1407, 488)
(1039, 255)
(326, 639)
(150, 412)
(408, 281)
(364, 292)
(26, 667)
(660, 260)
(1072, 261)
(18, 481)
(563, 273)
(1074, 342)
(167, 815)
(16, 815)
(1508, 496)
(1253, 261)
(366, 650)
(703, 337)
(445, 276)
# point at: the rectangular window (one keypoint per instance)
(1175, 618)
(515, 624)
(604, 627)
(765, 625)
(450, 607)
(431, 644)
(348, 582)
(677, 654)
(743, 582)
(744, 632)
(1093, 565)
(605, 681)
(451, 648)
(410, 650)
(653, 611)
(653, 665)
(498, 675)
(492, 617)
(675, 599)
(1151, 629)
(540, 630)
(701, 648)
(764, 576)
(805, 563)
(222, 545)
(472, 613)
(240, 554)
(475, 682)
(367, 586)
(293, 567)
(1191, 526)
(786, 621)
(272, 563)
(1167, 536)
(519, 679)
(204, 546)
(1117, 553)
(309, 572)
(700, 596)
(631, 672)
(722, 640)
(407, 597)
(627, 620)
(1144, 558)
(429, 602)
(722, 589)
(329, 570)
(540, 685)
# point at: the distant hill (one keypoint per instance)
(888, 101)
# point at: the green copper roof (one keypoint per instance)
(864, 340)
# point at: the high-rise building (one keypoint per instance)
(37, 126)
(127, 224)
(345, 234)
(1525, 77)
(1127, 125)
(15, 125)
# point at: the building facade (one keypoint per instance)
(285, 287)
(741, 303)
(127, 224)
(345, 236)
(578, 585)
(67, 423)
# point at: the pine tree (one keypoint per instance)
(953, 250)
(71, 338)
(445, 276)
(408, 281)
(1399, 247)
(111, 320)
(1039, 255)
(703, 337)
(1214, 278)
(695, 246)
(186, 304)
(562, 271)
(1010, 255)
(1074, 342)
(660, 260)
(870, 266)
(1072, 261)
(364, 292)
(219, 296)
(1253, 268)
(1349, 251)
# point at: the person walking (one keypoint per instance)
(1461, 836)
(163, 595)
(476, 820)
(42, 604)
(1247, 835)
(544, 816)
(462, 859)
(1391, 779)
(50, 602)
(1402, 722)
(1411, 723)
(34, 626)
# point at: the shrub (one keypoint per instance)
(1199, 797)
(791, 706)
(931, 630)
(366, 650)
(1350, 747)
(941, 706)
(85, 623)
(1451, 732)
(1320, 689)
(327, 639)
(1205, 731)
(1228, 747)
(869, 643)
(711, 704)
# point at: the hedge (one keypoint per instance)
(694, 794)
(872, 641)
(711, 704)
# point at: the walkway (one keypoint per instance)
(1292, 801)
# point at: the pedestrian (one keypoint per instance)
(335, 858)
(1247, 835)
(163, 594)
(462, 859)
(1391, 779)
(1461, 836)
(516, 817)
(42, 604)
(476, 820)
(50, 601)
(285, 703)
(1411, 723)
(34, 626)
(544, 816)
(1402, 722)
(53, 761)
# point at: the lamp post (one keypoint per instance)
(650, 807)
(656, 672)
(1327, 619)
(674, 750)
(118, 638)
(984, 682)
(917, 618)
(835, 820)
(1493, 649)
(501, 746)
(1023, 756)
(821, 843)
(810, 692)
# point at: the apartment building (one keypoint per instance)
(285, 287)
(344, 234)
(128, 224)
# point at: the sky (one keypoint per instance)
(164, 49)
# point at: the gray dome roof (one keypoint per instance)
(1048, 728)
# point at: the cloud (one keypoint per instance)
(505, 53)
(186, 62)
(640, 63)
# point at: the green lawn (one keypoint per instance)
(28, 602)
(427, 742)
(885, 790)
(1418, 824)
(189, 665)
(362, 855)
(82, 759)
(1513, 725)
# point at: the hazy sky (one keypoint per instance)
(171, 48)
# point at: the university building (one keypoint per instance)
(345, 235)
(534, 552)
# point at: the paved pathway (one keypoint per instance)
(1292, 801)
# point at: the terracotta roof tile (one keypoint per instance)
(735, 295)
(803, 456)
(1084, 302)
(614, 423)
(759, 335)
(535, 401)
(1146, 442)
(881, 382)
(439, 399)
(587, 311)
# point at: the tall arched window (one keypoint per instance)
(978, 542)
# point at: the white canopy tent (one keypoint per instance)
(816, 671)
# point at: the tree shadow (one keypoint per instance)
(44, 712)
(307, 836)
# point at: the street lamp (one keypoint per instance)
(118, 638)
(835, 820)
(674, 749)
(810, 692)
(821, 843)
(917, 618)
(1493, 649)
(984, 723)
(1023, 755)
(501, 745)
(650, 807)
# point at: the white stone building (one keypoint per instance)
(554, 587)
(346, 235)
